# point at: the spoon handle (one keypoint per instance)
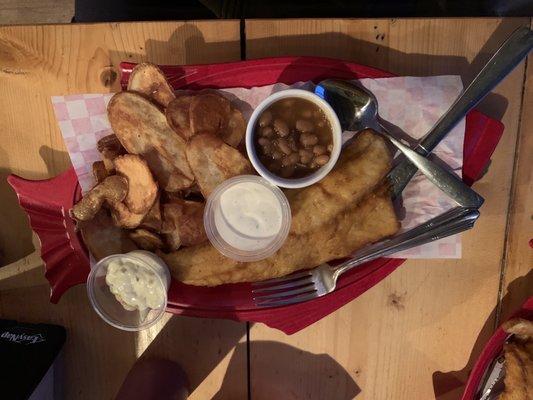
(508, 56)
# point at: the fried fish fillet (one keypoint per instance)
(331, 219)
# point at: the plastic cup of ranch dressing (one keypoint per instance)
(247, 218)
(129, 291)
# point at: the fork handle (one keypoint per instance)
(434, 229)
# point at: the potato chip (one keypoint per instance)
(103, 238)
(99, 171)
(142, 128)
(213, 161)
(148, 79)
(142, 189)
(235, 130)
(183, 223)
(177, 114)
(146, 240)
(209, 113)
(112, 189)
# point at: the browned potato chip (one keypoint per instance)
(103, 238)
(235, 130)
(213, 161)
(110, 148)
(177, 114)
(142, 189)
(153, 220)
(112, 190)
(146, 240)
(99, 171)
(169, 179)
(209, 113)
(123, 217)
(183, 223)
(149, 80)
(142, 128)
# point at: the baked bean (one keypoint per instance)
(283, 145)
(322, 160)
(293, 138)
(267, 131)
(265, 119)
(277, 155)
(308, 139)
(304, 125)
(281, 127)
(305, 156)
(318, 149)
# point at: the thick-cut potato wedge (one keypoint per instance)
(177, 113)
(103, 238)
(153, 220)
(110, 148)
(142, 189)
(235, 130)
(99, 171)
(123, 217)
(209, 113)
(142, 128)
(213, 161)
(183, 223)
(112, 190)
(149, 80)
(146, 240)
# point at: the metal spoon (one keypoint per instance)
(357, 109)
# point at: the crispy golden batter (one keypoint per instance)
(331, 219)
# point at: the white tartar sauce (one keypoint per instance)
(135, 286)
(248, 213)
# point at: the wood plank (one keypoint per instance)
(518, 268)
(36, 12)
(417, 333)
(37, 62)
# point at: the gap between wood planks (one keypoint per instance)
(510, 206)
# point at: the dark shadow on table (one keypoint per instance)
(446, 382)
(199, 345)
(285, 372)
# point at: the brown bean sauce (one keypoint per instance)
(293, 138)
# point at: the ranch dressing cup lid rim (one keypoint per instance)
(153, 315)
(271, 245)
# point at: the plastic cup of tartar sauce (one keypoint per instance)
(247, 218)
(129, 291)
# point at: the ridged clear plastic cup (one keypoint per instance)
(110, 309)
(232, 242)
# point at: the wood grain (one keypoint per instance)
(37, 62)
(416, 334)
(518, 266)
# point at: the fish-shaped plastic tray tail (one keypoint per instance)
(65, 257)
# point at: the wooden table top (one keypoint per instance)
(415, 335)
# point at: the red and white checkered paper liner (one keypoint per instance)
(413, 104)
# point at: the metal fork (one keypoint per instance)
(309, 284)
